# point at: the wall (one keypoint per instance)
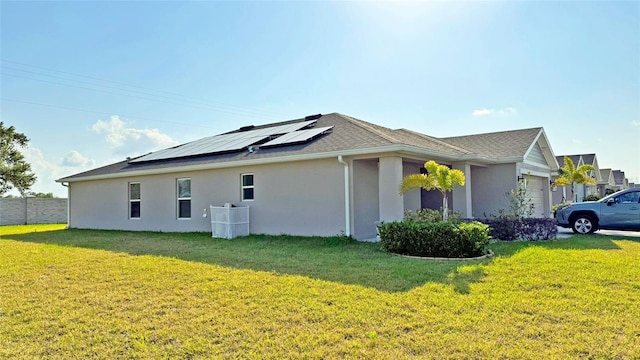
(297, 198)
(412, 199)
(366, 204)
(489, 186)
(17, 211)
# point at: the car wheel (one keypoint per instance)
(583, 224)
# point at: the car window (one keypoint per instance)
(627, 198)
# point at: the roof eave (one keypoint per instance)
(261, 161)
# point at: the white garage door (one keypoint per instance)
(535, 192)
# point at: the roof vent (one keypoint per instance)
(313, 117)
(246, 128)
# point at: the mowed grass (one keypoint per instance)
(111, 294)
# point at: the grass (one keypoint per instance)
(111, 294)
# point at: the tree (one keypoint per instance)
(438, 177)
(42, 195)
(570, 175)
(15, 172)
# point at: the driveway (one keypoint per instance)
(565, 233)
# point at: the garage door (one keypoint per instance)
(535, 192)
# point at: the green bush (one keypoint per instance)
(592, 197)
(435, 239)
(430, 215)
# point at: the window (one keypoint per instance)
(134, 200)
(184, 198)
(247, 187)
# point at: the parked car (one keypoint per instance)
(618, 211)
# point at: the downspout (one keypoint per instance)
(68, 204)
(347, 211)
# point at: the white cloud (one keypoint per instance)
(75, 159)
(131, 141)
(46, 172)
(483, 112)
(508, 111)
(636, 123)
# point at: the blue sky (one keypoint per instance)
(91, 83)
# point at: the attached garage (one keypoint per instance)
(536, 193)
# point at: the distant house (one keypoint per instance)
(319, 175)
(563, 193)
(607, 183)
(620, 179)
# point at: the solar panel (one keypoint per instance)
(297, 136)
(223, 143)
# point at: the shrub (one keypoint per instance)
(435, 239)
(592, 197)
(522, 229)
(430, 215)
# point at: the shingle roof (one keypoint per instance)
(604, 173)
(503, 144)
(349, 134)
(618, 177)
(588, 158)
(574, 158)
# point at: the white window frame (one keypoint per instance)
(243, 187)
(139, 200)
(178, 199)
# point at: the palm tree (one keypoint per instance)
(570, 175)
(438, 177)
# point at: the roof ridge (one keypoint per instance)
(368, 126)
(495, 132)
(439, 141)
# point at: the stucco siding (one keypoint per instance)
(298, 198)
(365, 209)
(489, 186)
(412, 198)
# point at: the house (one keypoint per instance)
(319, 175)
(620, 179)
(607, 184)
(563, 193)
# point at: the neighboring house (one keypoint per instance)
(563, 193)
(607, 183)
(321, 175)
(621, 181)
(592, 160)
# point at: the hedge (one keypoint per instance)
(522, 229)
(435, 239)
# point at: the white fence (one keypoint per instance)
(228, 221)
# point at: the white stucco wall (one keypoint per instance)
(412, 198)
(298, 198)
(365, 209)
(489, 186)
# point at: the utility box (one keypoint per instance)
(229, 221)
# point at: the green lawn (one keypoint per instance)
(112, 294)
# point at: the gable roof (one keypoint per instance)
(575, 158)
(589, 158)
(503, 144)
(349, 136)
(618, 177)
(607, 176)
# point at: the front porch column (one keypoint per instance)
(391, 202)
(462, 194)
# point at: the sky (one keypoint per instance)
(91, 83)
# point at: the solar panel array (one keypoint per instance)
(223, 143)
(297, 136)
